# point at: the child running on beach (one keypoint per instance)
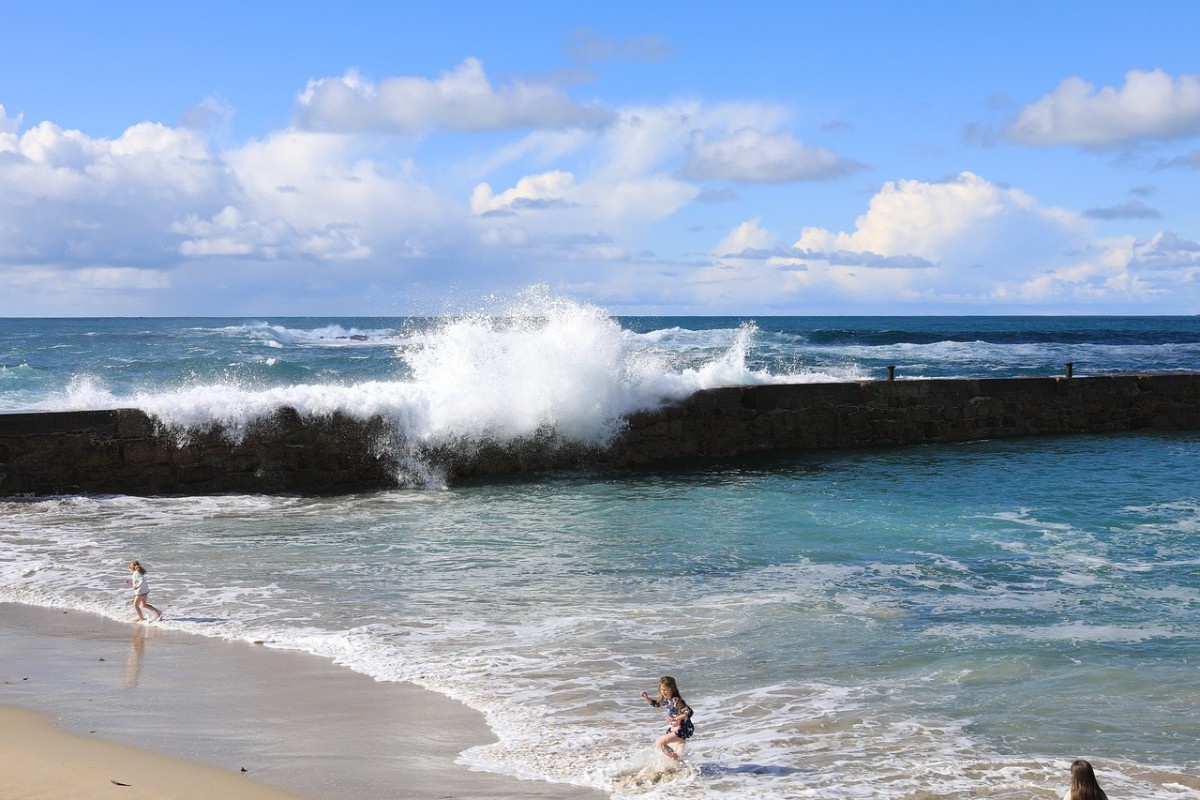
(141, 591)
(679, 716)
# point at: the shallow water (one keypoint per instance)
(932, 622)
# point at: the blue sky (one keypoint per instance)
(670, 158)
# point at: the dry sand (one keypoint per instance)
(41, 761)
(176, 715)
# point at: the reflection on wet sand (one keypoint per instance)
(133, 661)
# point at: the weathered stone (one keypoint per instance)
(126, 451)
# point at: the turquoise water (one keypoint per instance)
(929, 622)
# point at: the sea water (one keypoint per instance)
(928, 622)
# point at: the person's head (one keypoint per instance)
(136, 566)
(1084, 785)
(667, 687)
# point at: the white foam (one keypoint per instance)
(536, 364)
(559, 689)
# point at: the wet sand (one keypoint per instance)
(177, 715)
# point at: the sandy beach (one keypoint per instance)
(92, 708)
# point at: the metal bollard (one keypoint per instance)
(891, 372)
(1070, 368)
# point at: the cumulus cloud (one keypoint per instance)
(629, 172)
(964, 240)
(1151, 105)
(793, 256)
(67, 198)
(314, 194)
(627, 178)
(749, 236)
(572, 200)
(750, 241)
(462, 99)
(966, 219)
(548, 190)
(1166, 250)
(229, 233)
(753, 156)
(554, 218)
(126, 211)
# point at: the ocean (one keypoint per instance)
(928, 622)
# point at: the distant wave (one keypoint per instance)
(324, 336)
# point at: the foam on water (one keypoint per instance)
(558, 640)
(542, 364)
(927, 623)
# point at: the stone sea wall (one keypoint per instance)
(124, 451)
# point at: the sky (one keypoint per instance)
(792, 158)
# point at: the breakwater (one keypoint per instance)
(124, 451)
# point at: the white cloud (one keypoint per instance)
(964, 244)
(156, 195)
(547, 190)
(963, 221)
(961, 241)
(630, 179)
(297, 202)
(1156, 269)
(629, 176)
(1151, 105)
(1166, 250)
(753, 156)
(462, 99)
(309, 210)
(539, 147)
(750, 235)
(7, 124)
(314, 195)
(71, 199)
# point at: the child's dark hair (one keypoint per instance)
(1084, 785)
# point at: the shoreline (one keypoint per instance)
(205, 714)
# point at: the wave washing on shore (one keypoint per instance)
(933, 622)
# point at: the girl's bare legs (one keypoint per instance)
(141, 602)
(664, 744)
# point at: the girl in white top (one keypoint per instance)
(141, 591)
